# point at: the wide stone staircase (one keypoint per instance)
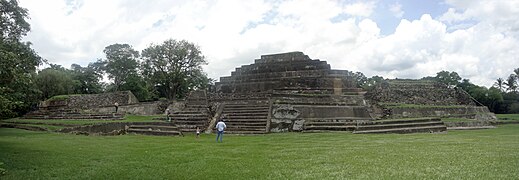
(163, 129)
(416, 125)
(331, 124)
(195, 113)
(246, 117)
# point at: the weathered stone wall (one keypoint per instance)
(472, 112)
(289, 112)
(115, 128)
(87, 101)
(294, 71)
(144, 108)
(418, 92)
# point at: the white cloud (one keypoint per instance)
(232, 33)
(396, 9)
(362, 9)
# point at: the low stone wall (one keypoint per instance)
(115, 128)
(101, 100)
(469, 124)
(290, 113)
(145, 108)
(473, 112)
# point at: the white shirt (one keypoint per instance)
(220, 126)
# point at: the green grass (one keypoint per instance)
(475, 154)
(514, 117)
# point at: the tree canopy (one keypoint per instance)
(174, 67)
(18, 62)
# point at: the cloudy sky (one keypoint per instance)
(478, 39)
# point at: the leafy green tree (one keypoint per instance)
(511, 83)
(86, 79)
(372, 82)
(174, 67)
(451, 79)
(18, 62)
(121, 63)
(55, 80)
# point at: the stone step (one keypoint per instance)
(263, 110)
(244, 120)
(398, 125)
(238, 108)
(253, 114)
(329, 123)
(154, 132)
(188, 115)
(245, 117)
(330, 128)
(189, 122)
(247, 128)
(262, 123)
(338, 119)
(399, 121)
(188, 118)
(154, 127)
(430, 129)
(246, 132)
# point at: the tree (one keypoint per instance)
(451, 79)
(174, 67)
(55, 80)
(12, 21)
(121, 62)
(18, 62)
(499, 84)
(372, 82)
(86, 79)
(511, 83)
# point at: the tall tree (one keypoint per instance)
(55, 80)
(511, 83)
(18, 62)
(451, 79)
(499, 84)
(121, 63)
(86, 79)
(174, 67)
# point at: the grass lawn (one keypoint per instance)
(474, 154)
(506, 117)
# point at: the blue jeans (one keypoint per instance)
(220, 135)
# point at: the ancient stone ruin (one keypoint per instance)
(80, 106)
(290, 92)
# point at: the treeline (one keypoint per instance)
(501, 98)
(168, 70)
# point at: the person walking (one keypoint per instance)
(220, 127)
(116, 106)
(167, 115)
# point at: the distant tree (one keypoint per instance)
(174, 67)
(86, 79)
(18, 62)
(372, 82)
(360, 79)
(452, 79)
(121, 62)
(54, 80)
(511, 83)
(499, 84)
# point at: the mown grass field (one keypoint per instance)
(471, 154)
